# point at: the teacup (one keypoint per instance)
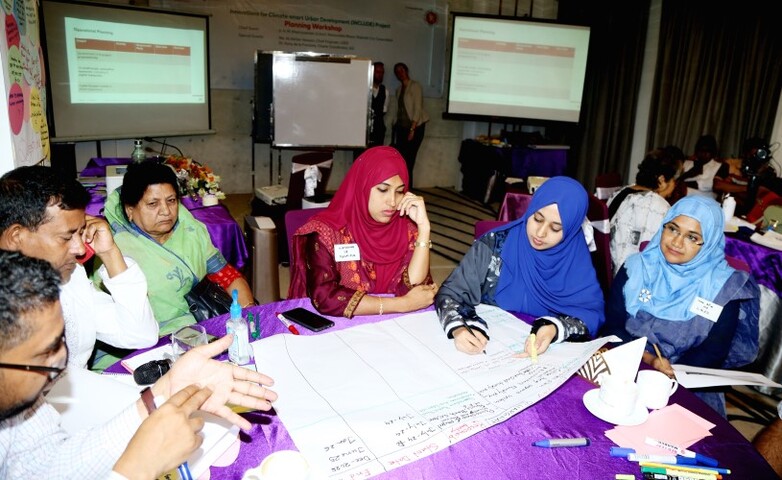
(620, 394)
(655, 388)
(282, 465)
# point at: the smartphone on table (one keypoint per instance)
(309, 320)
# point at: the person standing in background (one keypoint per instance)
(379, 106)
(410, 123)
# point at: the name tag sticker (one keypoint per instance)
(345, 252)
(706, 309)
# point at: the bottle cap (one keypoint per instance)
(236, 309)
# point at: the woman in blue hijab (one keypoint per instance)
(539, 265)
(683, 296)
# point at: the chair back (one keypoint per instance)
(299, 163)
(513, 206)
(295, 219)
(483, 226)
(606, 184)
(597, 214)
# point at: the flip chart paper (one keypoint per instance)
(364, 400)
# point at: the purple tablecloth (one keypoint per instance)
(227, 235)
(766, 266)
(764, 263)
(505, 450)
(537, 162)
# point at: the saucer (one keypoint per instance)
(604, 412)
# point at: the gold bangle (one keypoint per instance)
(381, 306)
(423, 244)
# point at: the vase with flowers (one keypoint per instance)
(196, 180)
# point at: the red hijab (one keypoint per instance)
(383, 244)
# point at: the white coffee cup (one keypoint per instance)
(282, 465)
(655, 388)
(618, 393)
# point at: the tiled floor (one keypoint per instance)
(748, 410)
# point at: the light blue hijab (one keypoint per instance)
(666, 290)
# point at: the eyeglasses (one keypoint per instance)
(53, 372)
(693, 239)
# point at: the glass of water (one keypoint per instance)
(187, 338)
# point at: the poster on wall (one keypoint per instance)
(389, 31)
(23, 77)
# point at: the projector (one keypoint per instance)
(273, 194)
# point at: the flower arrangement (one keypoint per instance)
(195, 178)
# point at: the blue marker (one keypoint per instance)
(562, 442)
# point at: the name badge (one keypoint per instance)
(345, 252)
(706, 309)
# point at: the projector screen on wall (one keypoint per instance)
(519, 69)
(120, 72)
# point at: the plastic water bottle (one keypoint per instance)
(728, 208)
(239, 351)
(138, 154)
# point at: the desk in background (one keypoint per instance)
(766, 267)
(503, 450)
(227, 235)
(484, 167)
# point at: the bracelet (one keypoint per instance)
(423, 244)
(381, 306)
(148, 400)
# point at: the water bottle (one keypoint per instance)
(239, 351)
(728, 208)
(138, 154)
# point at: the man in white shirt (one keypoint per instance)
(143, 441)
(43, 216)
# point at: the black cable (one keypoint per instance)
(150, 139)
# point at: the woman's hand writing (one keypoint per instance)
(470, 342)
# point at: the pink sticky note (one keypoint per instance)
(672, 424)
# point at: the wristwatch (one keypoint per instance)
(423, 244)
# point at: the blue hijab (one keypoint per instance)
(558, 280)
(665, 290)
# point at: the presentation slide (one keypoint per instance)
(519, 69)
(124, 63)
(124, 72)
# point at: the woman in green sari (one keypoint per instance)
(173, 249)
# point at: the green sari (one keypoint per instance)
(172, 268)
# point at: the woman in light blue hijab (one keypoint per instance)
(683, 296)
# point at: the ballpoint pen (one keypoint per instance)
(472, 333)
(287, 323)
(184, 472)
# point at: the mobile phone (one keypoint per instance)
(309, 320)
(88, 253)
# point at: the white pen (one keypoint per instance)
(702, 459)
(668, 459)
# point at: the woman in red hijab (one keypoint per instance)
(371, 242)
